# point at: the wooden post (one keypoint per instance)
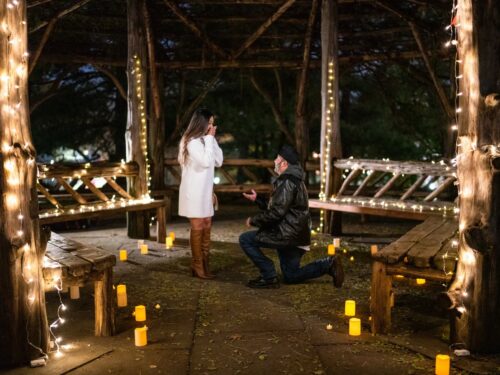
(23, 318)
(135, 138)
(380, 300)
(104, 304)
(475, 291)
(301, 126)
(331, 147)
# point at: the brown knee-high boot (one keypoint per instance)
(205, 248)
(195, 239)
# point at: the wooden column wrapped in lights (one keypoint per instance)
(23, 319)
(475, 291)
(330, 121)
(136, 133)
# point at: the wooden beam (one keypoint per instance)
(108, 73)
(34, 3)
(153, 75)
(61, 14)
(301, 125)
(41, 44)
(252, 38)
(194, 28)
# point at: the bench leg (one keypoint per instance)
(380, 302)
(104, 306)
(161, 224)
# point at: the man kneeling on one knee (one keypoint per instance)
(285, 225)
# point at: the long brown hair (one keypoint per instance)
(197, 128)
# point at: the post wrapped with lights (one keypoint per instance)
(330, 123)
(23, 319)
(136, 135)
(475, 291)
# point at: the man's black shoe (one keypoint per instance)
(336, 271)
(262, 283)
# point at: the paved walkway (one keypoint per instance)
(223, 327)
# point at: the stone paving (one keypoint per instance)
(223, 327)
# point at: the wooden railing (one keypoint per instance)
(393, 188)
(238, 175)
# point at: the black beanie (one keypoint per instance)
(288, 153)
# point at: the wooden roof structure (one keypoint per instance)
(204, 34)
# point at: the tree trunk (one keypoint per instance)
(23, 319)
(136, 133)
(330, 120)
(475, 291)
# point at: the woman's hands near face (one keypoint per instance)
(212, 129)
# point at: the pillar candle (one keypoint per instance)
(74, 292)
(139, 243)
(350, 307)
(123, 255)
(354, 327)
(172, 235)
(140, 313)
(121, 295)
(144, 249)
(336, 242)
(169, 242)
(442, 364)
(331, 249)
(420, 281)
(373, 249)
(141, 336)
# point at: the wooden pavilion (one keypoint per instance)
(149, 37)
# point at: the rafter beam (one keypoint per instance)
(282, 9)
(61, 14)
(194, 28)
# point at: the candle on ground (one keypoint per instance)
(121, 295)
(169, 242)
(336, 242)
(123, 255)
(172, 235)
(329, 327)
(350, 307)
(74, 292)
(354, 327)
(442, 364)
(373, 249)
(331, 249)
(141, 336)
(139, 243)
(144, 249)
(140, 313)
(420, 281)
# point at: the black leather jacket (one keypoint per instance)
(285, 220)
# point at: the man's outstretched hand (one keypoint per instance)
(251, 196)
(248, 224)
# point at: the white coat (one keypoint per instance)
(197, 183)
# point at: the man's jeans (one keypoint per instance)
(289, 260)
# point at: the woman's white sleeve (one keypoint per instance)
(202, 155)
(218, 154)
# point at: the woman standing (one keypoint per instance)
(199, 153)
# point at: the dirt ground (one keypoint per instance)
(223, 327)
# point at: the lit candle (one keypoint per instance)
(144, 248)
(373, 249)
(351, 259)
(172, 235)
(420, 281)
(74, 292)
(442, 364)
(141, 336)
(329, 327)
(139, 243)
(354, 327)
(121, 295)
(350, 307)
(123, 255)
(140, 313)
(331, 249)
(336, 242)
(169, 242)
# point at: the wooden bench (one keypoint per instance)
(408, 190)
(81, 191)
(75, 264)
(428, 251)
